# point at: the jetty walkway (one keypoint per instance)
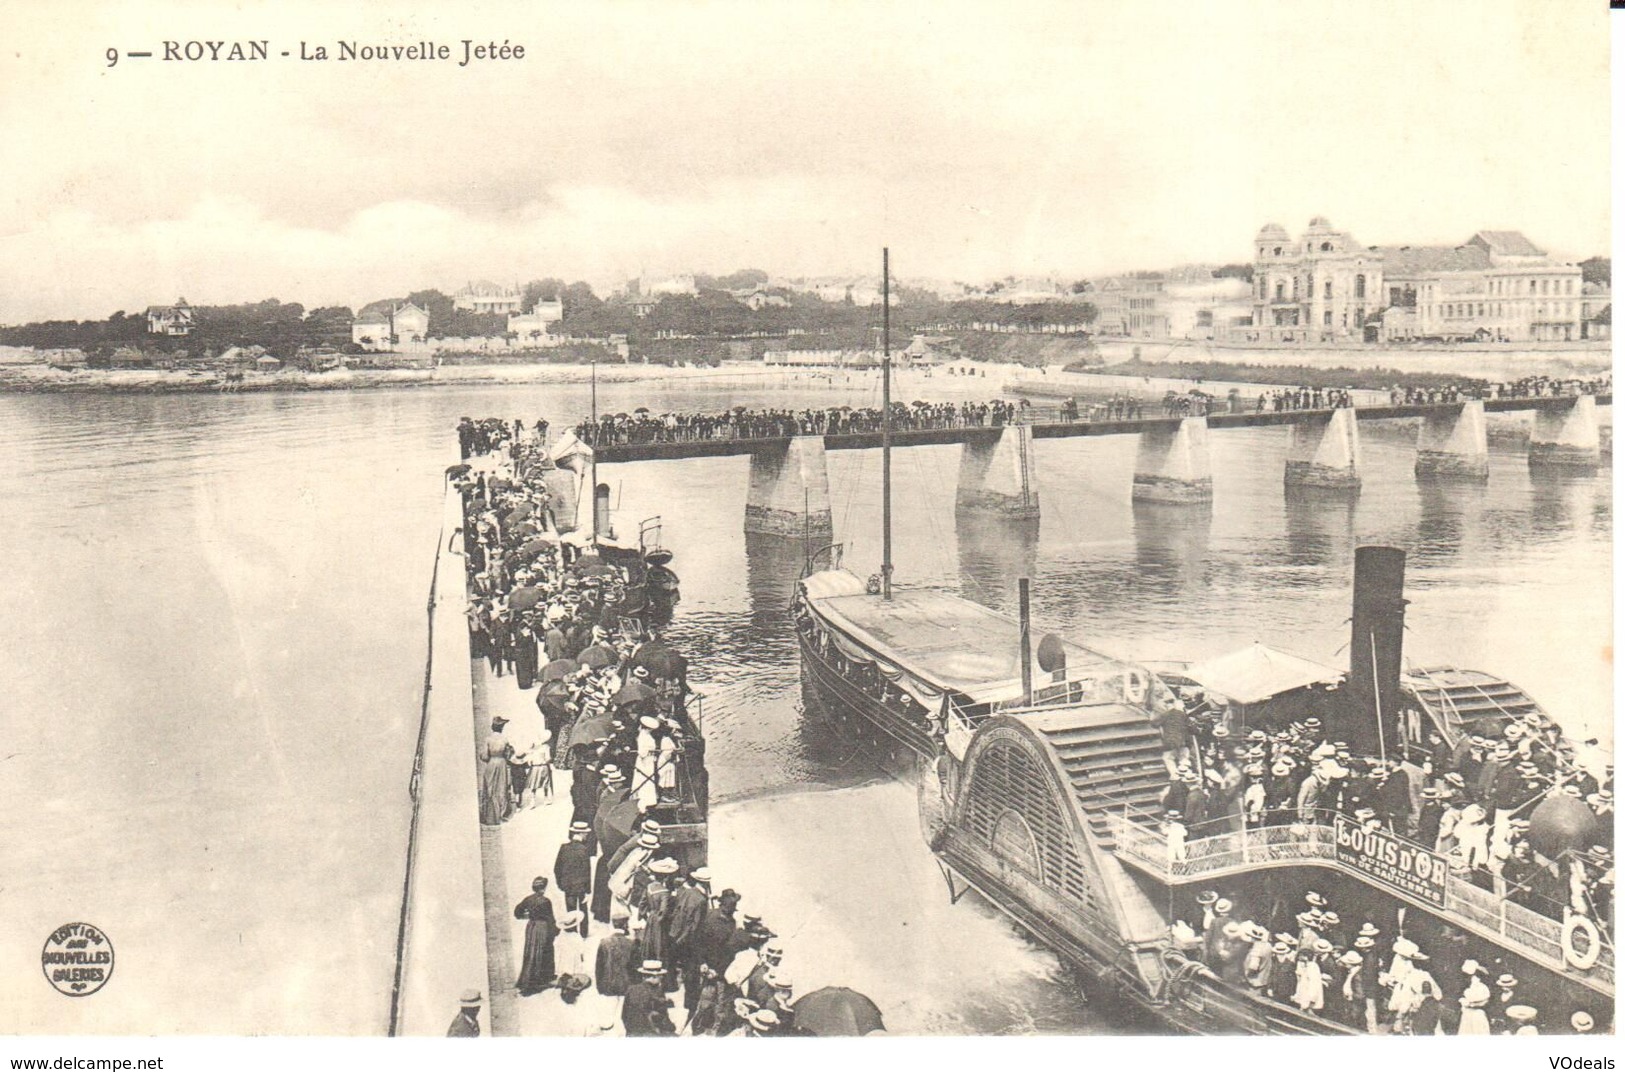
(789, 485)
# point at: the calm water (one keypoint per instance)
(213, 645)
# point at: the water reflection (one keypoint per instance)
(772, 565)
(1561, 500)
(994, 553)
(1319, 525)
(1171, 542)
(1450, 522)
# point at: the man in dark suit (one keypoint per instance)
(644, 1012)
(613, 968)
(689, 906)
(467, 1023)
(572, 870)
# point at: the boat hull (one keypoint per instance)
(843, 699)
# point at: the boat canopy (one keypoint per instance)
(930, 643)
(1258, 673)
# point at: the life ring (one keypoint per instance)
(1134, 689)
(1581, 960)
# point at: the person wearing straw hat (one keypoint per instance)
(1309, 995)
(1582, 1022)
(1409, 983)
(1475, 997)
(1259, 962)
(1524, 1016)
(689, 905)
(467, 1022)
(762, 1023)
(655, 910)
(645, 1009)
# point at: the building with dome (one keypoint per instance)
(1318, 288)
(1498, 286)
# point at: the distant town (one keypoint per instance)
(1319, 289)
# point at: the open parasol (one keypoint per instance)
(837, 1011)
(632, 694)
(661, 660)
(526, 598)
(558, 669)
(597, 656)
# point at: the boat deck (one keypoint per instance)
(1519, 929)
(938, 638)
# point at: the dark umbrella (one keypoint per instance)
(519, 513)
(538, 543)
(661, 661)
(631, 693)
(593, 728)
(615, 824)
(559, 669)
(641, 409)
(596, 656)
(526, 598)
(598, 570)
(1559, 824)
(837, 1011)
(525, 528)
(658, 558)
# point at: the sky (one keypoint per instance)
(977, 140)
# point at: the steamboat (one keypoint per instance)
(1042, 773)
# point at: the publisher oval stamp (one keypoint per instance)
(77, 959)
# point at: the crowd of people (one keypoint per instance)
(642, 426)
(1527, 387)
(741, 422)
(1471, 803)
(1339, 967)
(613, 701)
(1286, 399)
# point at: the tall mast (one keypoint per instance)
(593, 491)
(885, 423)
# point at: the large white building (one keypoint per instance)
(487, 297)
(384, 329)
(532, 327)
(1326, 287)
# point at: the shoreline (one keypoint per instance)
(40, 379)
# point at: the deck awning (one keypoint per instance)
(1258, 673)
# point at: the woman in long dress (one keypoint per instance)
(537, 971)
(496, 784)
(1474, 1019)
(1310, 995)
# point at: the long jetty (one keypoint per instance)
(789, 485)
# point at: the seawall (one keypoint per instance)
(443, 950)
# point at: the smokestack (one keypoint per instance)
(1370, 709)
(600, 511)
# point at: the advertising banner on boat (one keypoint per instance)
(1392, 860)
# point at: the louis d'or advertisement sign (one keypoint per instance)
(1392, 861)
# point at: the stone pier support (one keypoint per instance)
(1454, 446)
(789, 490)
(1567, 436)
(1325, 453)
(1000, 476)
(1173, 464)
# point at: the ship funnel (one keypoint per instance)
(1371, 700)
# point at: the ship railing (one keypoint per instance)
(1522, 928)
